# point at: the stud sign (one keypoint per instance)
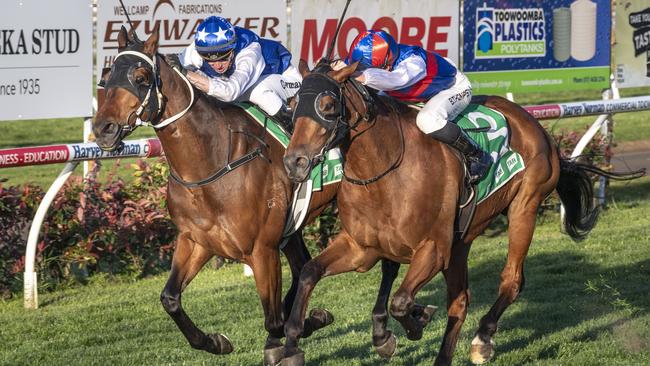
(529, 45)
(432, 25)
(46, 60)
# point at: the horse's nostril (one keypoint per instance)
(302, 162)
(108, 129)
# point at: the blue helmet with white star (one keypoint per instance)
(215, 36)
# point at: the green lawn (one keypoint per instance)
(628, 127)
(584, 304)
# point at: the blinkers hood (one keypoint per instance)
(314, 87)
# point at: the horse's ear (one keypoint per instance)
(303, 68)
(151, 44)
(122, 39)
(344, 73)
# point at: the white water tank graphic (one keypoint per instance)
(583, 30)
(561, 34)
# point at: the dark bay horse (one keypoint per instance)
(238, 215)
(405, 207)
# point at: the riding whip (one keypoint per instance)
(336, 34)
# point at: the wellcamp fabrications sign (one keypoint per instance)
(178, 20)
(432, 25)
(46, 61)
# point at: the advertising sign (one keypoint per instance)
(632, 47)
(46, 60)
(433, 25)
(529, 45)
(178, 20)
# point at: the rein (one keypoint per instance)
(339, 127)
(155, 88)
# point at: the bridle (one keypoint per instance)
(155, 107)
(319, 84)
(151, 109)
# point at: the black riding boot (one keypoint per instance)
(285, 118)
(454, 136)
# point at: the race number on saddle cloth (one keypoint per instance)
(412, 74)
(489, 128)
(234, 64)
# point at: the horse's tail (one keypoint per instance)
(575, 188)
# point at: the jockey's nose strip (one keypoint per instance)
(297, 167)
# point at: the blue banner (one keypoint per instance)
(512, 45)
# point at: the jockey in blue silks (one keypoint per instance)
(234, 64)
(412, 74)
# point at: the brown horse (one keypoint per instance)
(406, 211)
(228, 196)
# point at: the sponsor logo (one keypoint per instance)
(85, 152)
(510, 32)
(338, 170)
(9, 160)
(512, 161)
(39, 41)
(290, 84)
(499, 173)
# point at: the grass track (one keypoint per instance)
(584, 304)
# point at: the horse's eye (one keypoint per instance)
(139, 79)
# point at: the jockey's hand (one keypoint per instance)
(338, 65)
(198, 80)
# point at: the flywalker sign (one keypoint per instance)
(178, 20)
(632, 47)
(46, 63)
(530, 45)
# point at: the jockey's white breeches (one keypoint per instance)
(271, 91)
(445, 105)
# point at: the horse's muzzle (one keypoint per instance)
(107, 135)
(297, 167)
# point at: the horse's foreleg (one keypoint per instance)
(458, 299)
(427, 261)
(522, 215)
(265, 263)
(340, 256)
(188, 260)
(297, 255)
(382, 338)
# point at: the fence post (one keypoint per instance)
(31, 284)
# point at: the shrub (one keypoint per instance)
(108, 227)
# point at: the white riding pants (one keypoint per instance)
(445, 105)
(271, 91)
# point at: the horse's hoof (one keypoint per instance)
(480, 352)
(321, 317)
(294, 358)
(218, 344)
(414, 334)
(424, 314)
(273, 356)
(387, 350)
(317, 319)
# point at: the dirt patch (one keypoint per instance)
(632, 146)
(630, 338)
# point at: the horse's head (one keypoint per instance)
(329, 104)
(132, 90)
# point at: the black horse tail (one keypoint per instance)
(576, 191)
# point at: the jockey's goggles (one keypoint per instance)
(217, 56)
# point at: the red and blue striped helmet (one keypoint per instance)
(374, 49)
(215, 35)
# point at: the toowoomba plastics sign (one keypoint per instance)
(537, 46)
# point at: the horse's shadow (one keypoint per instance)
(583, 291)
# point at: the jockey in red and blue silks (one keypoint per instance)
(234, 64)
(412, 74)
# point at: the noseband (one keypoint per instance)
(122, 76)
